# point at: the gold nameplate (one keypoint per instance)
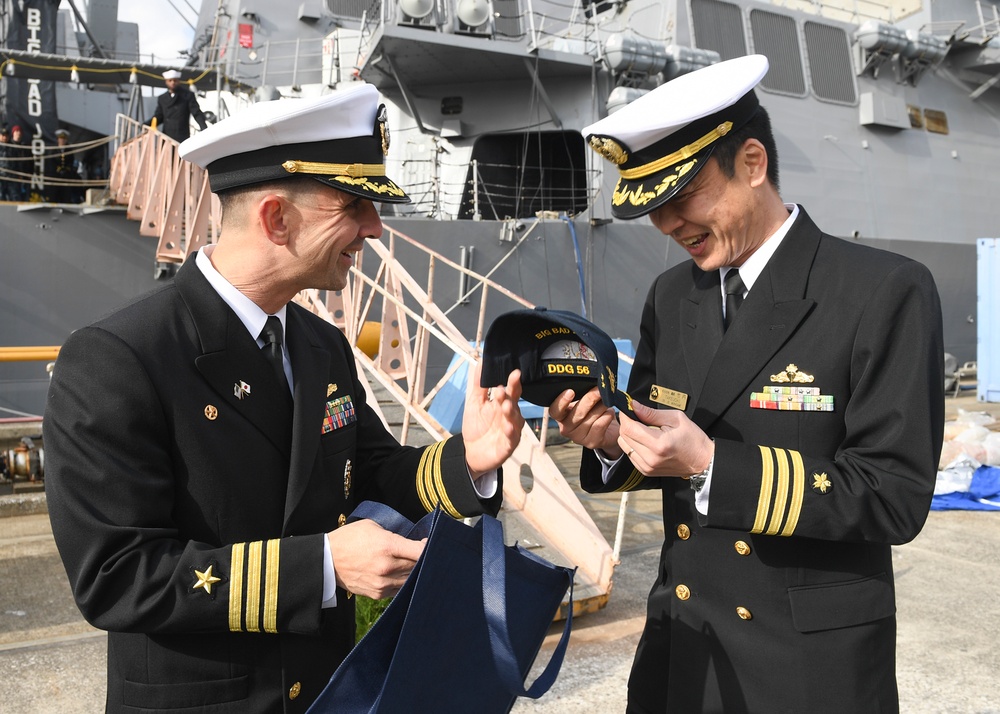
(668, 397)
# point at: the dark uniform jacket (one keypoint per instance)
(174, 111)
(190, 507)
(782, 600)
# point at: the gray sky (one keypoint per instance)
(162, 30)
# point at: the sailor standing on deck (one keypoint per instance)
(791, 413)
(206, 443)
(176, 107)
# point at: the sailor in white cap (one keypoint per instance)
(176, 107)
(788, 404)
(210, 440)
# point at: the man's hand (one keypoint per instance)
(491, 422)
(665, 442)
(370, 560)
(587, 421)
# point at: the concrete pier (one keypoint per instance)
(947, 591)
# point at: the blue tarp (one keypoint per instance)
(983, 493)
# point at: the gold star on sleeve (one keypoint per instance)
(205, 580)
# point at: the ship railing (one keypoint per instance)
(170, 198)
(461, 189)
(284, 63)
(538, 25)
(396, 322)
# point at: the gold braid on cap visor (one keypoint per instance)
(316, 167)
(680, 155)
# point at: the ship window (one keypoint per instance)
(718, 26)
(777, 37)
(521, 174)
(936, 121)
(916, 118)
(830, 70)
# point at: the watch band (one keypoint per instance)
(697, 481)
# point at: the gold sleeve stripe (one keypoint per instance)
(430, 484)
(271, 586)
(425, 486)
(632, 482)
(236, 588)
(435, 472)
(253, 586)
(780, 494)
(766, 484)
(798, 492)
(421, 489)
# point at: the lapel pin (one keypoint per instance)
(241, 389)
(211, 413)
(330, 389)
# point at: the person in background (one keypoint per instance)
(8, 188)
(19, 162)
(61, 166)
(176, 107)
(206, 444)
(789, 402)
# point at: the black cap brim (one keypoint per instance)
(638, 197)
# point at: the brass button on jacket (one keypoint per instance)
(295, 690)
(683, 592)
(744, 613)
(683, 532)
(742, 547)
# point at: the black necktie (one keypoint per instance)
(734, 295)
(272, 336)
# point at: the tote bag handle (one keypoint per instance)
(495, 606)
(494, 594)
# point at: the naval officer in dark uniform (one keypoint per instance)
(176, 107)
(206, 443)
(789, 405)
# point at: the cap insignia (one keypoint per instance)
(792, 374)
(383, 127)
(609, 149)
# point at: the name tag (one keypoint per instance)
(668, 397)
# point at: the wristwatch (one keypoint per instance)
(698, 480)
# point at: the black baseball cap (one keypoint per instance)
(555, 350)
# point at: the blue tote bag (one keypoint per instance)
(464, 630)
